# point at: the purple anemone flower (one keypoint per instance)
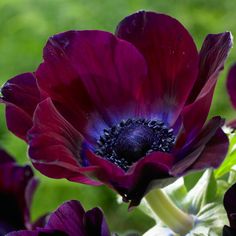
(128, 110)
(231, 87)
(70, 219)
(17, 185)
(230, 207)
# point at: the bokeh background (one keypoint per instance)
(25, 26)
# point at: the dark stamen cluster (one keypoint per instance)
(132, 139)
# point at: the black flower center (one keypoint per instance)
(132, 139)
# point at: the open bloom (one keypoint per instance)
(230, 207)
(70, 219)
(128, 110)
(17, 185)
(231, 87)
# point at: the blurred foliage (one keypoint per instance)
(200, 200)
(25, 26)
(230, 160)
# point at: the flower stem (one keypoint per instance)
(162, 206)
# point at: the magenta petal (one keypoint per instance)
(54, 144)
(214, 152)
(171, 56)
(208, 149)
(21, 95)
(230, 205)
(213, 54)
(86, 72)
(231, 85)
(152, 170)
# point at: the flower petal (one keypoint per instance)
(39, 232)
(227, 231)
(5, 157)
(73, 220)
(91, 76)
(95, 223)
(16, 189)
(21, 95)
(55, 145)
(231, 85)
(68, 218)
(230, 205)
(152, 170)
(213, 54)
(208, 149)
(171, 56)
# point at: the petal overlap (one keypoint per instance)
(56, 141)
(213, 54)
(21, 96)
(70, 219)
(17, 185)
(172, 60)
(85, 73)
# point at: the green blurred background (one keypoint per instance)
(25, 26)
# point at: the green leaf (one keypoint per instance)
(191, 180)
(202, 193)
(230, 159)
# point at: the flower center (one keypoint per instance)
(132, 139)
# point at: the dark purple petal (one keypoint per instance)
(231, 85)
(68, 218)
(208, 149)
(40, 222)
(213, 54)
(55, 145)
(95, 223)
(230, 205)
(72, 219)
(172, 60)
(227, 231)
(153, 170)
(16, 189)
(91, 76)
(21, 95)
(29, 192)
(5, 157)
(39, 232)
(214, 152)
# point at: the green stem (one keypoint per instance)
(177, 220)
